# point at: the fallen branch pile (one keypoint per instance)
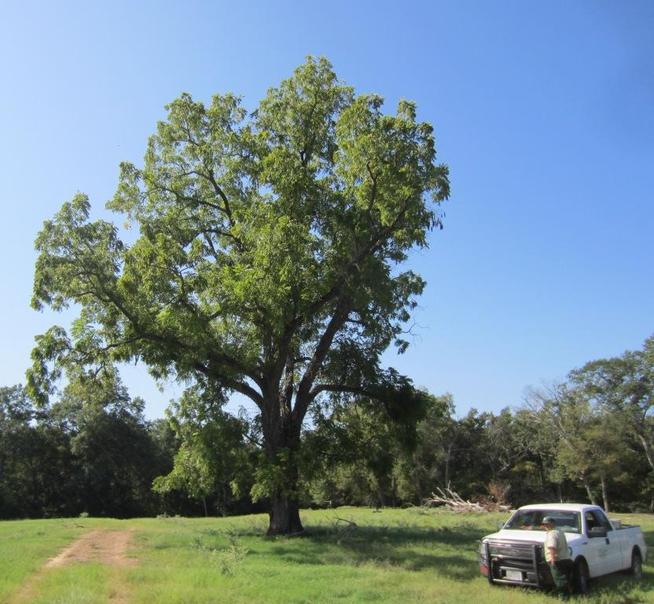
(451, 500)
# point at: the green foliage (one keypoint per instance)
(90, 451)
(250, 226)
(213, 460)
(595, 428)
(230, 558)
(418, 473)
(34, 457)
(363, 453)
(623, 387)
(272, 476)
(267, 256)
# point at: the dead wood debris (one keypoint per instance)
(451, 500)
(348, 523)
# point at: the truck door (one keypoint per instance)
(604, 556)
(616, 544)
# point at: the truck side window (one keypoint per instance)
(595, 518)
(604, 521)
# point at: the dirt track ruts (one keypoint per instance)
(107, 547)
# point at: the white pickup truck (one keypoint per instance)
(597, 546)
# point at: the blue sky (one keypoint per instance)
(543, 111)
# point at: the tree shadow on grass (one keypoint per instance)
(619, 588)
(398, 536)
(449, 552)
(649, 538)
(408, 548)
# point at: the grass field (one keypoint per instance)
(391, 556)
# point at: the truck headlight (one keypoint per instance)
(482, 552)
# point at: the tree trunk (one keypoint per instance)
(284, 511)
(282, 442)
(605, 495)
(393, 492)
(591, 497)
(381, 500)
(646, 449)
(541, 475)
(447, 465)
(284, 516)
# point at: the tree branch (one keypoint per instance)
(340, 388)
(303, 398)
(173, 342)
(218, 190)
(236, 385)
(353, 264)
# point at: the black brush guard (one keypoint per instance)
(516, 563)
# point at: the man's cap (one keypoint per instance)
(548, 520)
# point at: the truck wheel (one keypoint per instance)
(636, 568)
(581, 577)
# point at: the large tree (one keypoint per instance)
(266, 261)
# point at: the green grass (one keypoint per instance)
(26, 545)
(393, 556)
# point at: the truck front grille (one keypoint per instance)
(516, 551)
(515, 562)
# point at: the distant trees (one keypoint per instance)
(600, 427)
(214, 463)
(34, 458)
(358, 450)
(589, 438)
(623, 387)
(91, 450)
(110, 444)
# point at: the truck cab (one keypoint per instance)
(514, 555)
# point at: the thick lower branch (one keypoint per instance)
(303, 398)
(340, 388)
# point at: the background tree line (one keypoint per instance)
(92, 451)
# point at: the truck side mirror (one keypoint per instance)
(597, 531)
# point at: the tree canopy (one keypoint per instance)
(267, 257)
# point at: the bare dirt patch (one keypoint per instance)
(106, 547)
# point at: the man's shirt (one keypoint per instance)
(556, 539)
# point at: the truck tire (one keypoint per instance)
(581, 577)
(636, 568)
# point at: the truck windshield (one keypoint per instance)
(531, 520)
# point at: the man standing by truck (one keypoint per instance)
(519, 555)
(556, 555)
